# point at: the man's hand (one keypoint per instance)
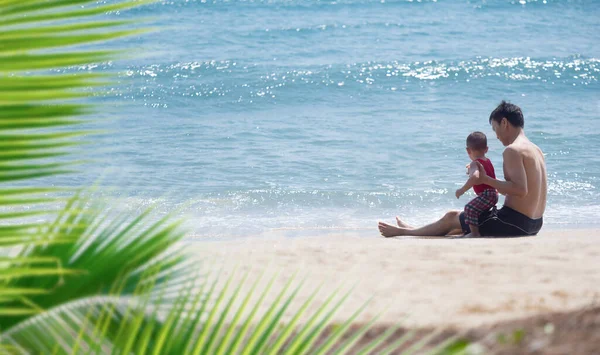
(459, 193)
(479, 175)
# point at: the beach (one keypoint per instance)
(283, 129)
(462, 284)
(264, 139)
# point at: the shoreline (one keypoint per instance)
(370, 232)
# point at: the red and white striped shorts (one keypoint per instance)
(483, 202)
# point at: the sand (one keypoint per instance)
(420, 282)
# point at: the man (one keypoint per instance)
(525, 187)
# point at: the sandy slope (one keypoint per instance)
(422, 282)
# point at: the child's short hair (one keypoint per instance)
(477, 141)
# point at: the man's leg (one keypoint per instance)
(402, 224)
(444, 226)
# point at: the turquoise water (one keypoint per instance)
(306, 114)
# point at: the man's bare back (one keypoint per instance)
(533, 204)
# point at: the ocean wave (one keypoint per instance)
(244, 81)
(560, 192)
(287, 30)
(567, 188)
(321, 3)
(569, 70)
(250, 213)
(296, 3)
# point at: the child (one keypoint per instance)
(487, 196)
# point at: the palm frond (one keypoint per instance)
(79, 14)
(91, 254)
(133, 325)
(37, 106)
(27, 62)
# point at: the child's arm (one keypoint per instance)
(473, 174)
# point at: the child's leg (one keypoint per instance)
(474, 231)
(472, 213)
(476, 207)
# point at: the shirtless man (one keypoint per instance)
(525, 187)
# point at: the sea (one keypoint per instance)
(247, 117)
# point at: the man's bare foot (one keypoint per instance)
(388, 231)
(402, 224)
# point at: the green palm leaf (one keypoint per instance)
(36, 108)
(12, 20)
(26, 62)
(91, 260)
(135, 327)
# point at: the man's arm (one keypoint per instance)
(515, 169)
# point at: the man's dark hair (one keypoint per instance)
(511, 112)
(477, 141)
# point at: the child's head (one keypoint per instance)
(476, 144)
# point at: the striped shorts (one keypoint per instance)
(483, 202)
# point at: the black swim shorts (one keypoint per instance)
(504, 222)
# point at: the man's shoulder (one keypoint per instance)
(513, 149)
(524, 149)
